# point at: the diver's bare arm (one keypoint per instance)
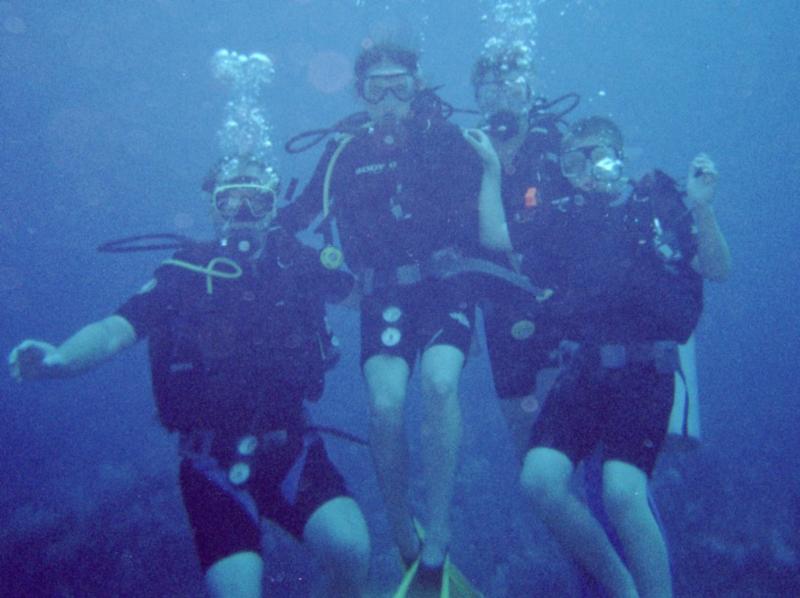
(90, 346)
(493, 228)
(713, 260)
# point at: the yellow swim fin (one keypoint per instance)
(454, 583)
(457, 584)
(408, 578)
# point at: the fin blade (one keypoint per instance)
(408, 579)
(458, 586)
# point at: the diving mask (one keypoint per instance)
(229, 199)
(374, 88)
(498, 95)
(602, 162)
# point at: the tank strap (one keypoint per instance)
(444, 266)
(448, 266)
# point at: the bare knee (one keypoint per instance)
(386, 409)
(386, 379)
(349, 544)
(337, 533)
(236, 576)
(440, 384)
(441, 369)
(624, 491)
(545, 478)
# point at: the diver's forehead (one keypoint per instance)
(386, 69)
(505, 76)
(590, 141)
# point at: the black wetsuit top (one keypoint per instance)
(533, 179)
(620, 273)
(243, 356)
(398, 202)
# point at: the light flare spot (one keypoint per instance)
(530, 404)
(14, 25)
(183, 220)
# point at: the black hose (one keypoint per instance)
(340, 434)
(135, 244)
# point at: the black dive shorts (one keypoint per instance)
(626, 410)
(518, 346)
(225, 518)
(405, 320)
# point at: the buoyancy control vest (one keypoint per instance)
(667, 238)
(393, 198)
(620, 271)
(240, 352)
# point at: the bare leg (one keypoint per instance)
(236, 576)
(546, 477)
(441, 440)
(625, 499)
(337, 534)
(387, 380)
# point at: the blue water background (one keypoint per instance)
(108, 113)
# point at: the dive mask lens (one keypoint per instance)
(261, 203)
(573, 163)
(229, 199)
(602, 162)
(496, 95)
(376, 87)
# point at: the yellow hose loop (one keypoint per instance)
(210, 270)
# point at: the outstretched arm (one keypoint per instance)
(492, 217)
(713, 260)
(90, 346)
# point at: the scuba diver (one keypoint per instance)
(713, 263)
(237, 342)
(525, 133)
(398, 193)
(621, 259)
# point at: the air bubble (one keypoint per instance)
(245, 130)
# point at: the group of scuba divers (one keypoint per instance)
(587, 282)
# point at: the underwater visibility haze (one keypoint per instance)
(110, 114)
